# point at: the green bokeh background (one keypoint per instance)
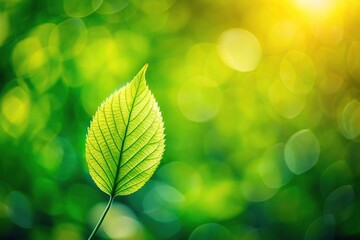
(261, 104)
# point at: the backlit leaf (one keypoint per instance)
(125, 140)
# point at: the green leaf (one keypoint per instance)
(125, 140)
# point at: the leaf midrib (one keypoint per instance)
(113, 192)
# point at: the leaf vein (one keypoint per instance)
(141, 161)
(138, 114)
(107, 176)
(115, 183)
(139, 173)
(122, 116)
(103, 136)
(105, 185)
(108, 127)
(142, 134)
(102, 154)
(113, 117)
(151, 138)
(146, 93)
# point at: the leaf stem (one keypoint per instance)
(102, 217)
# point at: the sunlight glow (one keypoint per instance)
(315, 4)
(317, 8)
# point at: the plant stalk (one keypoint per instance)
(102, 217)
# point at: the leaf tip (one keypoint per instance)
(145, 67)
(141, 75)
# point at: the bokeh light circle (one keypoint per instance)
(66, 230)
(112, 6)
(253, 187)
(336, 175)
(17, 99)
(239, 49)
(350, 119)
(302, 151)
(120, 222)
(297, 72)
(272, 167)
(80, 9)
(340, 203)
(211, 231)
(22, 53)
(189, 187)
(321, 228)
(15, 111)
(21, 212)
(162, 202)
(68, 39)
(43, 70)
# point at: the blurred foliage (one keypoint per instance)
(261, 104)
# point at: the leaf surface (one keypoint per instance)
(125, 140)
